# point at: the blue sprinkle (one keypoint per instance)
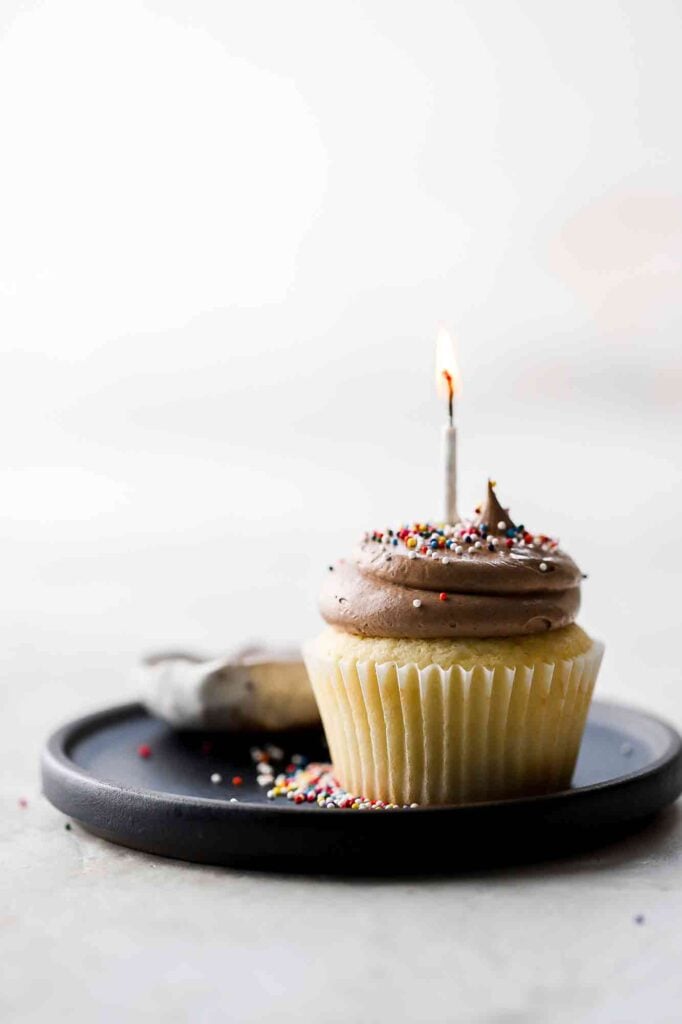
(433, 543)
(510, 533)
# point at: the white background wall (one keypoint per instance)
(228, 232)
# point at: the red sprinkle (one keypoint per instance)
(509, 542)
(443, 597)
(23, 802)
(237, 780)
(144, 750)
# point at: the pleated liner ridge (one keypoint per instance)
(431, 735)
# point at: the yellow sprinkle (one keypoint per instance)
(411, 542)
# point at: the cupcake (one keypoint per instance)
(452, 669)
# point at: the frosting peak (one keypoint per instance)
(481, 577)
(491, 514)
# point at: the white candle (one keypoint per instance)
(450, 469)
(447, 382)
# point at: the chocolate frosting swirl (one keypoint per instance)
(485, 577)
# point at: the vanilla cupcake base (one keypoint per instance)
(453, 721)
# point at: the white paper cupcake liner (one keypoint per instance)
(431, 735)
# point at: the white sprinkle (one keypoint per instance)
(459, 551)
(478, 545)
(412, 554)
(233, 800)
(446, 561)
(414, 805)
(275, 752)
(216, 778)
(265, 780)
(501, 526)
(270, 794)
(264, 769)
(416, 603)
(297, 759)
(537, 542)
(543, 567)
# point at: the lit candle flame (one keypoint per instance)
(448, 379)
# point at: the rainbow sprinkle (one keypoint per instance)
(315, 784)
(435, 540)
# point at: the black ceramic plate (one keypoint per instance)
(630, 766)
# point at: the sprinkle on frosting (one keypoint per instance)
(483, 576)
(491, 529)
(428, 540)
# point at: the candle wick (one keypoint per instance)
(451, 393)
